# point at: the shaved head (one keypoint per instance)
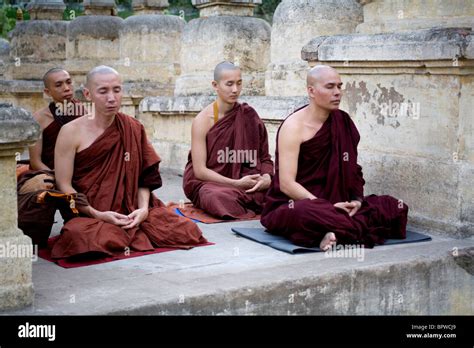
(221, 67)
(48, 75)
(324, 87)
(319, 73)
(100, 70)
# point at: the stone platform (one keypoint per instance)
(239, 277)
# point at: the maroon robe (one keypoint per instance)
(36, 219)
(108, 175)
(240, 129)
(327, 167)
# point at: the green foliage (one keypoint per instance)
(182, 8)
(266, 9)
(7, 20)
(75, 8)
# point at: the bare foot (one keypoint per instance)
(328, 241)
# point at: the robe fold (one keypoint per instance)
(35, 216)
(327, 167)
(108, 174)
(36, 219)
(237, 145)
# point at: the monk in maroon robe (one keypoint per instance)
(229, 167)
(317, 195)
(110, 167)
(36, 219)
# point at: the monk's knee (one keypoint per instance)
(215, 198)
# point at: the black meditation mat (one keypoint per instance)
(259, 235)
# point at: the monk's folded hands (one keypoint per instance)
(263, 183)
(355, 207)
(111, 217)
(136, 218)
(247, 182)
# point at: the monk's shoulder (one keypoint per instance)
(292, 127)
(132, 120)
(206, 113)
(202, 119)
(43, 116)
(74, 125)
(344, 115)
(346, 119)
(250, 112)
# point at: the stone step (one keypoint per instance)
(239, 277)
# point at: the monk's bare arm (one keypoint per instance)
(289, 142)
(35, 156)
(199, 153)
(143, 197)
(64, 154)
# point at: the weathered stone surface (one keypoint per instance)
(470, 47)
(92, 41)
(27, 93)
(429, 44)
(18, 125)
(36, 46)
(382, 16)
(418, 131)
(39, 41)
(4, 55)
(99, 7)
(209, 41)
(17, 130)
(46, 9)
(16, 287)
(465, 259)
(208, 8)
(150, 48)
(141, 7)
(295, 22)
(96, 27)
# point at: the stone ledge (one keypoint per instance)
(21, 86)
(269, 108)
(430, 44)
(260, 280)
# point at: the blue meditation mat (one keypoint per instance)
(177, 211)
(259, 235)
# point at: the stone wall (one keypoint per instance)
(382, 16)
(295, 22)
(209, 41)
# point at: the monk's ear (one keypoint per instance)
(87, 93)
(47, 92)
